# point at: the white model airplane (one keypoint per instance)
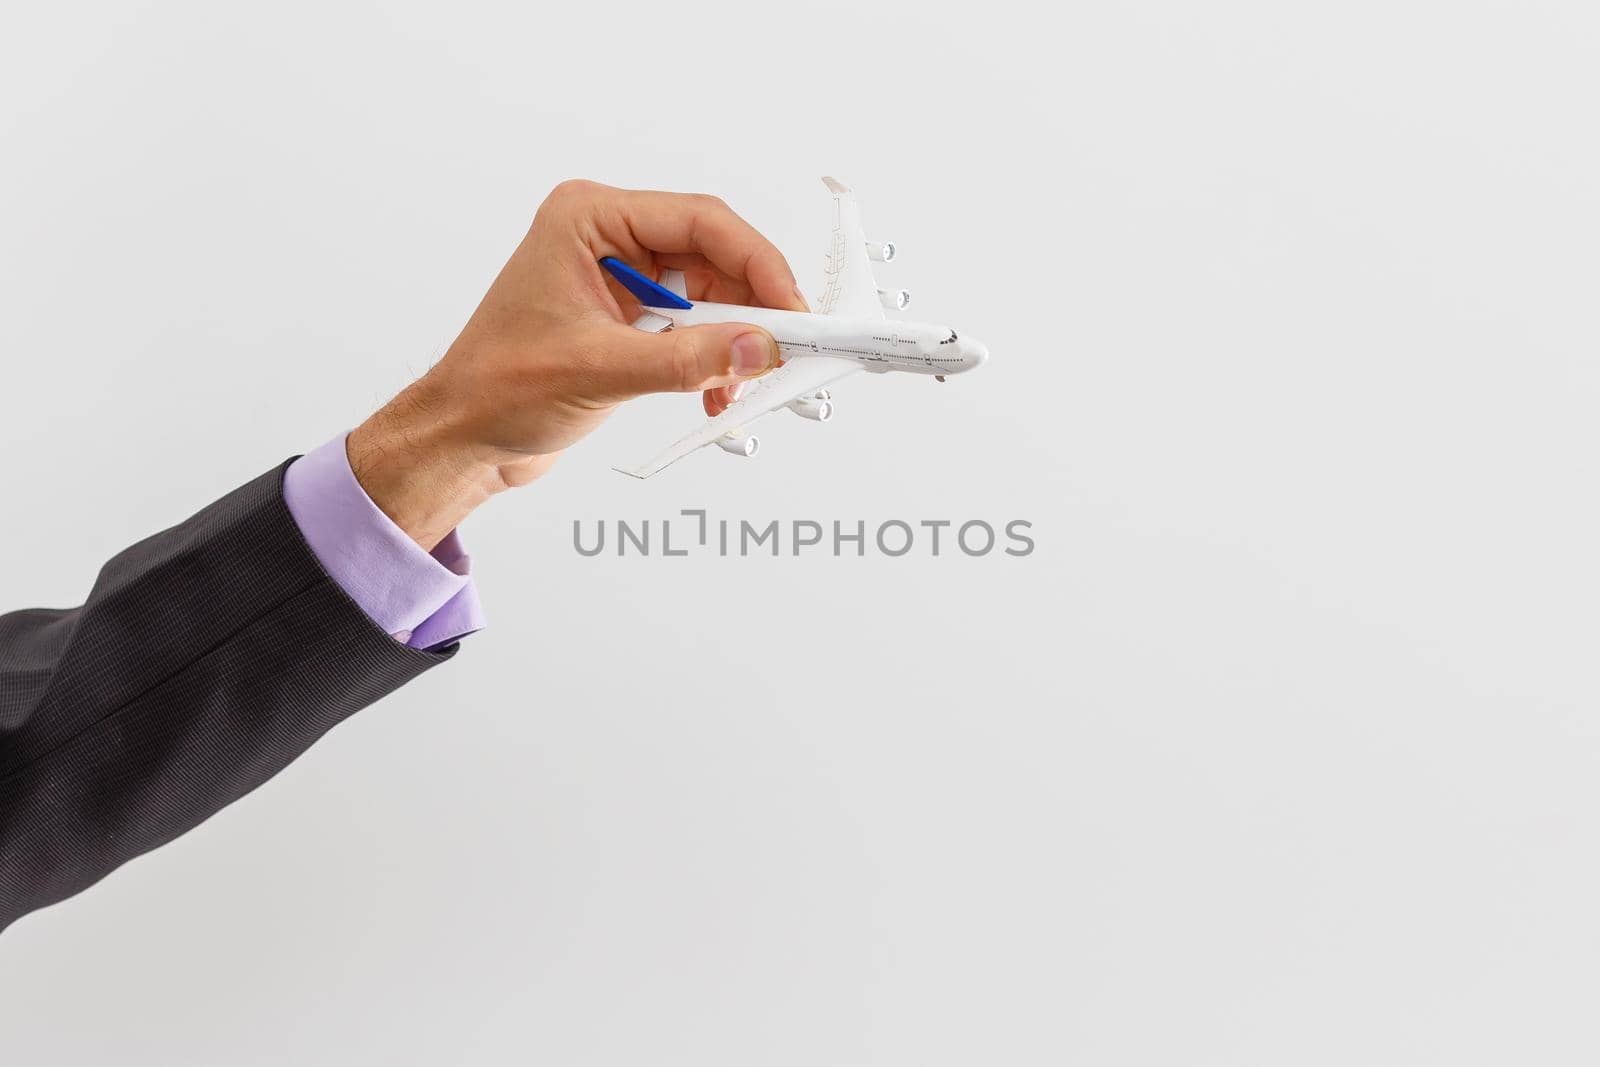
(849, 332)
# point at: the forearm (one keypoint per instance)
(417, 461)
(205, 659)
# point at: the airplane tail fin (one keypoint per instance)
(650, 293)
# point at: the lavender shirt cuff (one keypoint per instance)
(423, 599)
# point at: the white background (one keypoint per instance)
(1281, 748)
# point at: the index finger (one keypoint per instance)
(674, 223)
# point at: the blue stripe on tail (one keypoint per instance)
(643, 289)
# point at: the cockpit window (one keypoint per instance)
(950, 339)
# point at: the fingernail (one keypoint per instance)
(752, 354)
(735, 391)
(798, 295)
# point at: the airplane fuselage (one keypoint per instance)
(879, 345)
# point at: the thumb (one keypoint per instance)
(688, 359)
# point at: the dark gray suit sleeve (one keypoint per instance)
(205, 659)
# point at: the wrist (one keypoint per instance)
(417, 466)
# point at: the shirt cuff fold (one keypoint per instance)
(420, 598)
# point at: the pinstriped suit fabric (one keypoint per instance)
(204, 660)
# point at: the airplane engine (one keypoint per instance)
(817, 407)
(894, 300)
(880, 252)
(736, 444)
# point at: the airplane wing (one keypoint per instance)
(799, 377)
(851, 290)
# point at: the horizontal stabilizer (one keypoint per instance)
(650, 322)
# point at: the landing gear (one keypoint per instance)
(938, 377)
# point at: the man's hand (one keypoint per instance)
(549, 352)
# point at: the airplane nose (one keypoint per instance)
(977, 353)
